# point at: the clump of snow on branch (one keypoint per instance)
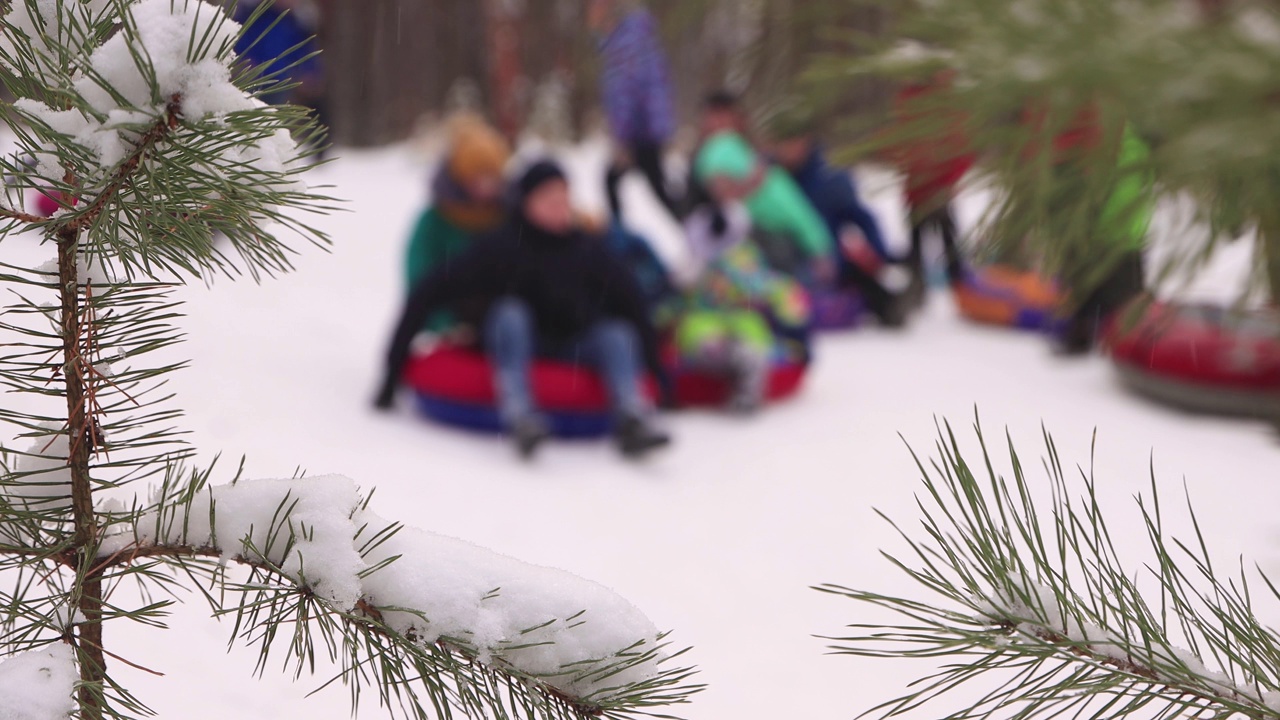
(173, 54)
(50, 26)
(38, 685)
(41, 479)
(544, 622)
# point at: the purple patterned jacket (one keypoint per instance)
(637, 83)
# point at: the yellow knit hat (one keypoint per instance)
(477, 150)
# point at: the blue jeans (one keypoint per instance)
(610, 347)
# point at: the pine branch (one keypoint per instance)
(1036, 602)
(449, 660)
(21, 216)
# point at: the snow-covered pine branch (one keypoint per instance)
(1032, 599)
(571, 640)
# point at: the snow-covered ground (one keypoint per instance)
(718, 539)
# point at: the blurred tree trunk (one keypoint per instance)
(508, 83)
(390, 62)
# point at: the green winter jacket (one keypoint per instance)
(778, 206)
(1126, 217)
(435, 243)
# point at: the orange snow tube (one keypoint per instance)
(1002, 295)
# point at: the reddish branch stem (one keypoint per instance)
(89, 597)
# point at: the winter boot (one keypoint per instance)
(636, 438)
(898, 309)
(913, 298)
(529, 433)
(750, 380)
(1076, 340)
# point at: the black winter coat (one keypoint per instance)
(570, 282)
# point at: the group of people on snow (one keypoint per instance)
(509, 266)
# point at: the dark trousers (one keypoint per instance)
(1123, 285)
(942, 223)
(876, 296)
(647, 157)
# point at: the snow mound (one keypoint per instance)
(543, 622)
(37, 685)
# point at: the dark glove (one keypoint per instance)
(386, 396)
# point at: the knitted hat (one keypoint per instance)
(476, 149)
(538, 174)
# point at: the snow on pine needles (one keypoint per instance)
(576, 635)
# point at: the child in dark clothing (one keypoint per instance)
(934, 168)
(551, 291)
(834, 195)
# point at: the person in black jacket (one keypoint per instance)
(549, 290)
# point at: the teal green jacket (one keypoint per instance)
(778, 206)
(435, 243)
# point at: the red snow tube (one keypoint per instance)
(455, 386)
(1202, 358)
(1002, 295)
(700, 389)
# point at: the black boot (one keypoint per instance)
(1076, 340)
(897, 311)
(637, 439)
(529, 433)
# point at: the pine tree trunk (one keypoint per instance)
(88, 598)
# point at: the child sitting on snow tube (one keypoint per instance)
(467, 201)
(740, 313)
(834, 195)
(734, 173)
(552, 291)
(634, 251)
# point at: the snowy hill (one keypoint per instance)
(717, 540)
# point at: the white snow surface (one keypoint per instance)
(538, 620)
(37, 685)
(718, 540)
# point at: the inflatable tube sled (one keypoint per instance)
(695, 388)
(1201, 358)
(836, 310)
(1001, 295)
(454, 386)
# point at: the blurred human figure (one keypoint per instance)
(739, 313)
(637, 95)
(281, 42)
(467, 201)
(721, 112)
(1117, 228)
(834, 195)
(650, 272)
(733, 172)
(550, 291)
(934, 163)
